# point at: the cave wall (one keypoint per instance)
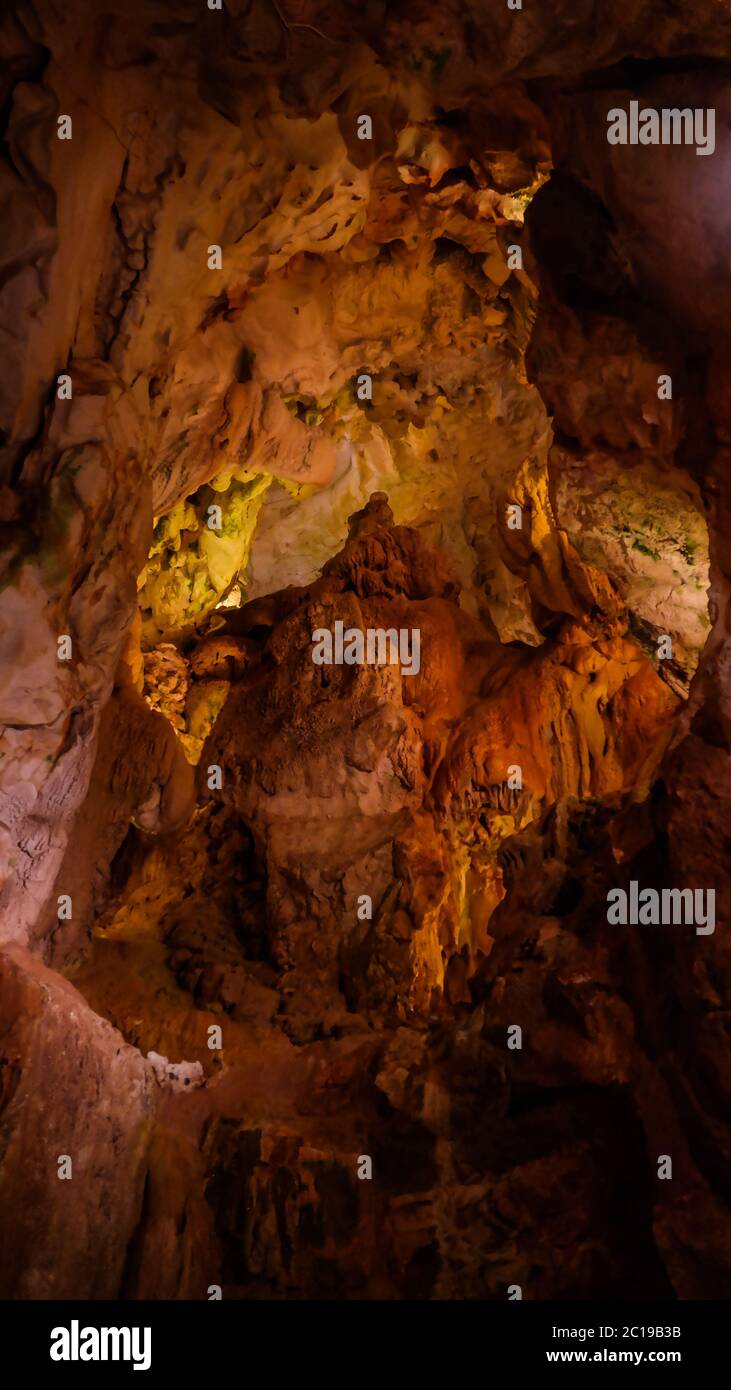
(491, 386)
(239, 128)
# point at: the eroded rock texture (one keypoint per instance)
(268, 925)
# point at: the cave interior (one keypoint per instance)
(365, 555)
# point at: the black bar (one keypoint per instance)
(339, 1341)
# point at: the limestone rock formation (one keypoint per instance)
(365, 518)
(77, 1107)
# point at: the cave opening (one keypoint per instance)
(382, 340)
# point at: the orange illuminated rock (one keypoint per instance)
(333, 461)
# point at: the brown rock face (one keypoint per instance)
(365, 726)
(339, 769)
(76, 1108)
